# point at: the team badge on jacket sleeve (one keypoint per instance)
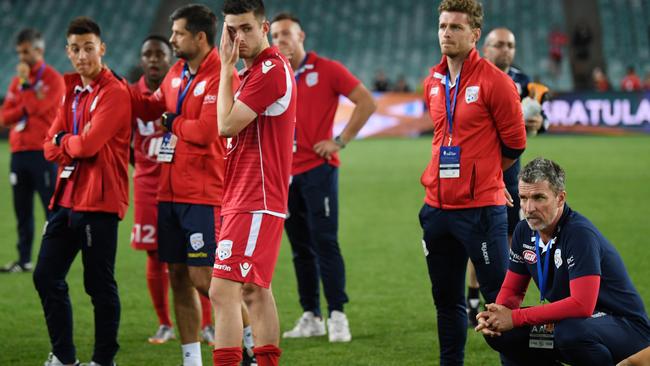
(312, 79)
(471, 94)
(224, 249)
(558, 258)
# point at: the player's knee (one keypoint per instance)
(179, 277)
(224, 293)
(42, 281)
(252, 294)
(200, 277)
(570, 333)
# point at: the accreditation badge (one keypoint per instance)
(449, 162)
(167, 148)
(541, 336)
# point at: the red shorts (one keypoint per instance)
(144, 235)
(248, 248)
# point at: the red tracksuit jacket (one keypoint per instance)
(488, 123)
(39, 112)
(101, 147)
(196, 173)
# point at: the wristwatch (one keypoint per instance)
(339, 141)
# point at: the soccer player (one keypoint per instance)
(89, 139)
(478, 132)
(29, 107)
(155, 60)
(259, 120)
(590, 312)
(499, 48)
(190, 189)
(312, 224)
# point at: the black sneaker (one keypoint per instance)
(15, 267)
(248, 359)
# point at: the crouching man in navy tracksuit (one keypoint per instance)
(591, 314)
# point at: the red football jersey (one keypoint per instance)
(147, 137)
(258, 160)
(320, 82)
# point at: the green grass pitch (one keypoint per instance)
(391, 311)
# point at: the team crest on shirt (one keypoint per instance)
(311, 79)
(471, 94)
(224, 249)
(199, 88)
(94, 104)
(196, 241)
(557, 258)
(530, 257)
(176, 82)
(434, 91)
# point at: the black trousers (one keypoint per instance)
(30, 173)
(95, 235)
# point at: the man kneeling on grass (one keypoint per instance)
(590, 313)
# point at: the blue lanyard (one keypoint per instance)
(452, 108)
(542, 276)
(183, 94)
(75, 127)
(39, 74)
(300, 69)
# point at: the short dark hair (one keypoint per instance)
(540, 169)
(32, 36)
(159, 38)
(83, 25)
(237, 7)
(198, 18)
(472, 8)
(286, 16)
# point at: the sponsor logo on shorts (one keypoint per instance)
(224, 249)
(197, 255)
(245, 268)
(530, 257)
(222, 267)
(196, 241)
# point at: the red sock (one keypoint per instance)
(229, 356)
(206, 310)
(158, 283)
(267, 355)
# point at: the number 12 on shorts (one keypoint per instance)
(145, 234)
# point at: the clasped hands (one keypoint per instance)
(495, 320)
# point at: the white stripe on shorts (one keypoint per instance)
(256, 223)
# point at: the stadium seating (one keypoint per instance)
(124, 23)
(626, 33)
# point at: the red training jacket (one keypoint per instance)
(26, 103)
(487, 123)
(101, 147)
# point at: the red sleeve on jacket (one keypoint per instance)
(505, 107)
(52, 152)
(513, 290)
(203, 131)
(580, 304)
(147, 108)
(106, 122)
(12, 109)
(53, 88)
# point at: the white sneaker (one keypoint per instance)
(163, 334)
(207, 335)
(52, 360)
(338, 327)
(307, 326)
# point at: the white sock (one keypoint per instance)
(248, 338)
(192, 354)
